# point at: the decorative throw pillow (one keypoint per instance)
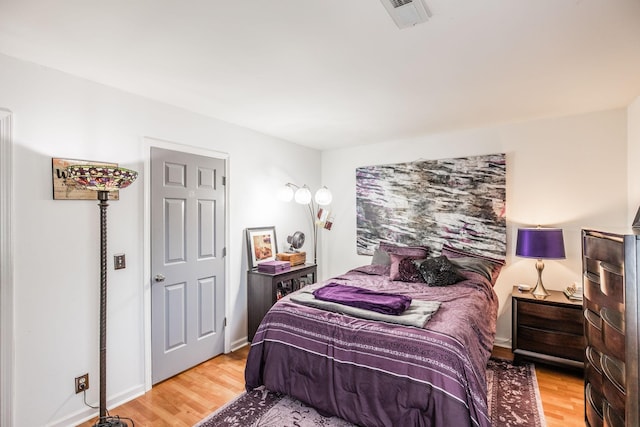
(384, 249)
(409, 271)
(439, 271)
(403, 268)
(380, 257)
(477, 265)
(496, 264)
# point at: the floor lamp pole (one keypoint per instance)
(105, 420)
(103, 196)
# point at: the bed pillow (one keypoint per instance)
(372, 269)
(381, 254)
(404, 269)
(439, 271)
(380, 257)
(392, 248)
(494, 264)
(477, 265)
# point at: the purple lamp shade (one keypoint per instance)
(540, 243)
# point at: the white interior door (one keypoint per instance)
(187, 263)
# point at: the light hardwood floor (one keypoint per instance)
(187, 398)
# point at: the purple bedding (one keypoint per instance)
(381, 374)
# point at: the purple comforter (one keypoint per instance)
(380, 374)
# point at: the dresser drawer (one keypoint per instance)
(593, 407)
(593, 330)
(611, 417)
(594, 298)
(613, 333)
(612, 284)
(550, 317)
(559, 344)
(614, 384)
(593, 368)
(609, 250)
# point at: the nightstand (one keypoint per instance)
(549, 330)
(264, 289)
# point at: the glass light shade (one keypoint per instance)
(286, 193)
(101, 178)
(303, 195)
(540, 243)
(324, 196)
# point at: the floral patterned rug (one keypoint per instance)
(513, 400)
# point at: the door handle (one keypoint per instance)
(159, 278)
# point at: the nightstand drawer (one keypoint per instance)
(550, 317)
(559, 344)
(549, 330)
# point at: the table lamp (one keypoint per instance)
(540, 243)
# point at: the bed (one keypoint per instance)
(378, 373)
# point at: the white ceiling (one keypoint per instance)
(329, 73)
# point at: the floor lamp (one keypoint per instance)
(103, 179)
(302, 195)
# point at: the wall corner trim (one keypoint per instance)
(6, 271)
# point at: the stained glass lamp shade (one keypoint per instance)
(103, 179)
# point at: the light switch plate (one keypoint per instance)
(119, 262)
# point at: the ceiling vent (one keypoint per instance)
(407, 13)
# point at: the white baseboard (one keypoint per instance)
(87, 413)
(238, 344)
(502, 342)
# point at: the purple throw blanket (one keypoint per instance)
(367, 299)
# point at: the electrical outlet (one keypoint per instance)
(82, 383)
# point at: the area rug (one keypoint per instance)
(513, 400)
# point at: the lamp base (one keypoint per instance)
(539, 291)
(112, 422)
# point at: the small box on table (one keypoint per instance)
(274, 267)
(295, 258)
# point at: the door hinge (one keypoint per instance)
(225, 322)
(224, 180)
(224, 252)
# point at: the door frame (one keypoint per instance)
(148, 143)
(6, 271)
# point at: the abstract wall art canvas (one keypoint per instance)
(459, 201)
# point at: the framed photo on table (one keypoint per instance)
(261, 245)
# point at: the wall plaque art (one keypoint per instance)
(66, 189)
(459, 201)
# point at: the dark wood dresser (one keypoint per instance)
(264, 289)
(548, 330)
(610, 266)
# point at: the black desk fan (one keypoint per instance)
(296, 241)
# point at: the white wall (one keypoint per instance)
(568, 172)
(633, 159)
(56, 255)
